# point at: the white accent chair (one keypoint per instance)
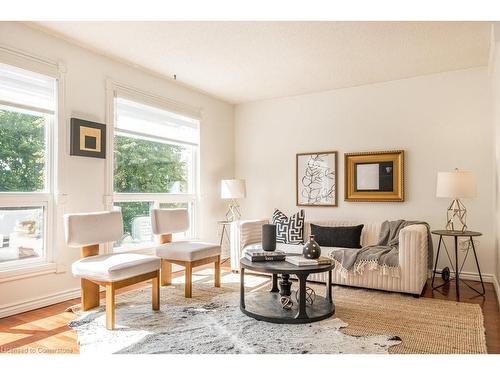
(188, 254)
(113, 271)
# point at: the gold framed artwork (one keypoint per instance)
(87, 139)
(316, 179)
(374, 176)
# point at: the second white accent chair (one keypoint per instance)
(113, 271)
(188, 254)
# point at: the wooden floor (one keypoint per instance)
(45, 330)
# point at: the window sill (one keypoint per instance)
(23, 272)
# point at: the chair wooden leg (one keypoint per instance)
(166, 273)
(217, 272)
(189, 280)
(110, 306)
(156, 292)
(89, 294)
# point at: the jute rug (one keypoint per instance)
(365, 321)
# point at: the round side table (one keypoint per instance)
(456, 234)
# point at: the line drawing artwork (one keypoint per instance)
(318, 180)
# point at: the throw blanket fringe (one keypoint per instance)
(340, 268)
(359, 267)
(373, 265)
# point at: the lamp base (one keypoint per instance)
(456, 212)
(233, 213)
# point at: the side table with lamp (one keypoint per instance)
(231, 190)
(456, 185)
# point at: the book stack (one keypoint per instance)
(301, 261)
(259, 255)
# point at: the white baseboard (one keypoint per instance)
(36, 303)
(473, 276)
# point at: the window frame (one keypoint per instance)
(115, 90)
(21, 268)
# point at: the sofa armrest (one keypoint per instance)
(244, 233)
(251, 232)
(413, 256)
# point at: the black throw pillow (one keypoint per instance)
(337, 236)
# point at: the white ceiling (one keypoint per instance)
(248, 61)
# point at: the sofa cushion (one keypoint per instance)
(114, 267)
(289, 230)
(345, 236)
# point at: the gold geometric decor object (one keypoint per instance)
(456, 212)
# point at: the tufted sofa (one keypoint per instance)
(412, 254)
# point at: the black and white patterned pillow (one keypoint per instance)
(289, 230)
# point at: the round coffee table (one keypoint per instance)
(266, 305)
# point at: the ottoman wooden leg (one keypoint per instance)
(156, 291)
(189, 280)
(166, 273)
(110, 306)
(89, 294)
(217, 272)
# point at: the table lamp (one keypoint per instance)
(456, 185)
(233, 190)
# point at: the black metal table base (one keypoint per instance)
(457, 269)
(266, 306)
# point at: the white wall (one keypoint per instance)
(85, 97)
(442, 121)
(495, 89)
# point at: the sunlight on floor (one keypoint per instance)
(46, 324)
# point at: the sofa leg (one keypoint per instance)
(415, 295)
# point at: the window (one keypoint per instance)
(155, 155)
(27, 113)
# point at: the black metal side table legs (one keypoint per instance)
(457, 268)
(478, 269)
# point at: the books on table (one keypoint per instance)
(301, 261)
(259, 255)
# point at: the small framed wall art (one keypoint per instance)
(374, 176)
(87, 138)
(316, 179)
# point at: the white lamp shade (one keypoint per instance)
(457, 184)
(233, 189)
